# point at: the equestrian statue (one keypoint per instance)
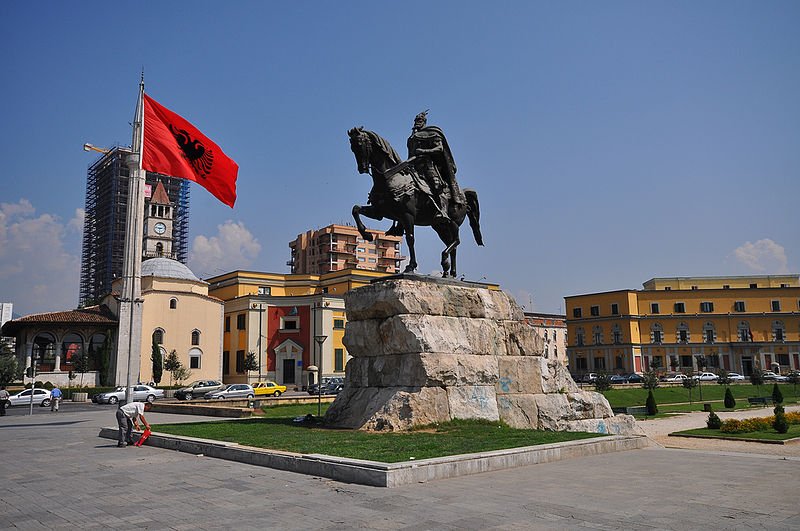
(422, 190)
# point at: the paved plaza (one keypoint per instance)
(57, 473)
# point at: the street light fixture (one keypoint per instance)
(90, 147)
(320, 340)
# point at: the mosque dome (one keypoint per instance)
(167, 268)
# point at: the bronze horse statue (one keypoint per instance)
(399, 194)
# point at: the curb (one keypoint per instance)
(794, 440)
(379, 474)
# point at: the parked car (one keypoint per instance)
(771, 376)
(198, 389)
(141, 393)
(617, 379)
(329, 388)
(706, 377)
(589, 377)
(634, 378)
(735, 377)
(41, 397)
(675, 378)
(233, 391)
(268, 388)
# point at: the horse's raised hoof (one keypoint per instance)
(409, 269)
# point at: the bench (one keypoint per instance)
(763, 400)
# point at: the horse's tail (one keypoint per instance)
(474, 214)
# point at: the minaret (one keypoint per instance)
(158, 225)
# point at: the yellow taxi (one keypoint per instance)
(268, 389)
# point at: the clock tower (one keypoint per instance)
(158, 213)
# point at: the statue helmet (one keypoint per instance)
(422, 117)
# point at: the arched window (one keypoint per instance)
(195, 337)
(71, 347)
(195, 356)
(682, 333)
(158, 336)
(597, 335)
(656, 334)
(44, 347)
(159, 248)
(616, 334)
(709, 333)
(745, 335)
(173, 303)
(778, 331)
(580, 336)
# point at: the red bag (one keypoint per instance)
(143, 438)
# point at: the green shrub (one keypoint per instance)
(780, 423)
(730, 402)
(48, 385)
(602, 383)
(777, 396)
(713, 422)
(652, 408)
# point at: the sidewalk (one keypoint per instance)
(659, 430)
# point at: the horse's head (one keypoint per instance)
(361, 147)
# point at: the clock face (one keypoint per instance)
(160, 228)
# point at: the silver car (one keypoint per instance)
(41, 397)
(233, 391)
(141, 393)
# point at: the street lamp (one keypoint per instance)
(320, 340)
(260, 309)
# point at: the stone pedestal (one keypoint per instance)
(429, 350)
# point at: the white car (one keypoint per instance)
(41, 397)
(676, 378)
(772, 377)
(706, 377)
(233, 391)
(141, 393)
(735, 377)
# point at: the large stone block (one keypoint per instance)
(518, 411)
(618, 425)
(473, 402)
(428, 297)
(421, 369)
(520, 374)
(521, 340)
(388, 408)
(556, 378)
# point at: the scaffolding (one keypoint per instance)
(104, 225)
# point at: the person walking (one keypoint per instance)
(127, 418)
(55, 398)
(3, 400)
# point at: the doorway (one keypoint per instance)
(288, 371)
(747, 365)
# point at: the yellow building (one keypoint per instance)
(177, 314)
(737, 323)
(289, 322)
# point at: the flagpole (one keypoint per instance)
(129, 339)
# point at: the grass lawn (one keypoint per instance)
(276, 430)
(636, 396)
(794, 431)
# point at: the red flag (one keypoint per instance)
(173, 146)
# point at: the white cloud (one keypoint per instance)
(234, 247)
(37, 272)
(764, 256)
(76, 223)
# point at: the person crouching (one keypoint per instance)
(127, 418)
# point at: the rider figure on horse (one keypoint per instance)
(434, 163)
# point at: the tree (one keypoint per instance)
(730, 402)
(652, 408)
(171, 365)
(81, 363)
(780, 423)
(250, 363)
(724, 378)
(777, 396)
(757, 378)
(181, 373)
(689, 384)
(650, 379)
(158, 363)
(102, 359)
(673, 363)
(10, 371)
(602, 382)
(713, 422)
(702, 363)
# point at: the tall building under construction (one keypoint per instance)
(105, 223)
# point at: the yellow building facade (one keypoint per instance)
(289, 322)
(737, 323)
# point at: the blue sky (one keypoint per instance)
(608, 142)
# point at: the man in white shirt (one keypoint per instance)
(127, 417)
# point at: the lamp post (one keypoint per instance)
(260, 309)
(320, 340)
